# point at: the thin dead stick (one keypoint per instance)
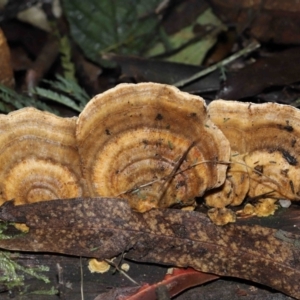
(119, 261)
(136, 189)
(61, 283)
(236, 162)
(251, 47)
(168, 179)
(121, 271)
(81, 279)
(261, 195)
(199, 163)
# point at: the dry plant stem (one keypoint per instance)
(6, 74)
(240, 163)
(168, 179)
(251, 47)
(260, 196)
(119, 262)
(42, 63)
(81, 280)
(162, 6)
(110, 262)
(61, 283)
(136, 189)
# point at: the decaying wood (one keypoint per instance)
(103, 228)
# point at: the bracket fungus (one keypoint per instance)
(267, 138)
(38, 157)
(151, 144)
(157, 147)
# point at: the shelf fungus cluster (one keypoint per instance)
(146, 143)
(157, 147)
(265, 154)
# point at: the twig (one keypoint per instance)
(43, 63)
(61, 284)
(110, 262)
(251, 47)
(174, 171)
(118, 263)
(81, 279)
(200, 163)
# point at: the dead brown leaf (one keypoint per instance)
(268, 20)
(278, 69)
(105, 227)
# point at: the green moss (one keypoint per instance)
(50, 292)
(12, 273)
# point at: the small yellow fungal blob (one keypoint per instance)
(249, 210)
(22, 227)
(96, 266)
(221, 216)
(188, 208)
(266, 207)
(125, 267)
(263, 208)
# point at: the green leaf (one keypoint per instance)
(10, 271)
(66, 58)
(120, 26)
(193, 52)
(10, 100)
(48, 94)
(71, 88)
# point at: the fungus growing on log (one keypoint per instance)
(38, 157)
(96, 266)
(267, 136)
(155, 146)
(151, 144)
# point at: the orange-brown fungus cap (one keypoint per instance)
(38, 157)
(235, 187)
(135, 135)
(221, 216)
(268, 136)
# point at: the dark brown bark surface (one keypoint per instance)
(103, 228)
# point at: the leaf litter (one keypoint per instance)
(106, 227)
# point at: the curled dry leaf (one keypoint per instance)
(140, 141)
(105, 227)
(267, 138)
(38, 157)
(174, 283)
